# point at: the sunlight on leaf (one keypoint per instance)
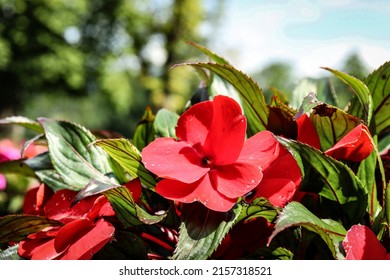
(127, 156)
(202, 230)
(296, 215)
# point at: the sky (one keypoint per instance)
(307, 34)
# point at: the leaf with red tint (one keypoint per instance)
(355, 146)
(361, 243)
(17, 227)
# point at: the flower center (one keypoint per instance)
(206, 162)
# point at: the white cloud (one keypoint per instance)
(254, 34)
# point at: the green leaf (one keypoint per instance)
(129, 213)
(305, 87)
(124, 246)
(24, 122)
(202, 230)
(272, 253)
(379, 85)
(332, 124)
(309, 102)
(127, 156)
(365, 173)
(296, 215)
(331, 179)
(259, 207)
(17, 167)
(252, 97)
(94, 186)
(53, 180)
(17, 227)
(362, 92)
(144, 132)
(215, 57)
(75, 161)
(165, 123)
(11, 253)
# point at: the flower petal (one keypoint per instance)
(361, 243)
(201, 190)
(38, 249)
(227, 131)
(171, 159)
(281, 179)
(236, 179)
(70, 232)
(262, 148)
(307, 133)
(278, 191)
(59, 206)
(91, 242)
(194, 124)
(356, 145)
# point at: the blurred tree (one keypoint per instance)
(354, 65)
(97, 62)
(278, 75)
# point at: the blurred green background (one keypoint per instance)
(100, 63)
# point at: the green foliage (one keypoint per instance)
(296, 215)
(332, 180)
(127, 156)
(17, 227)
(202, 230)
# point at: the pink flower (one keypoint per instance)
(211, 162)
(7, 152)
(361, 243)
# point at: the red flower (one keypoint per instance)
(85, 229)
(281, 180)
(211, 162)
(355, 146)
(361, 243)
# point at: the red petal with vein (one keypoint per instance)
(307, 133)
(100, 208)
(278, 191)
(361, 243)
(35, 200)
(236, 179)
(134, 186)
(201, 191)
(227, 132)
(354, 146)
(58, 206)
(69, 233)
(41, 249)
(194, 124)
(281, 179)
(262, 148)
(171, 159)
(91, 242)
